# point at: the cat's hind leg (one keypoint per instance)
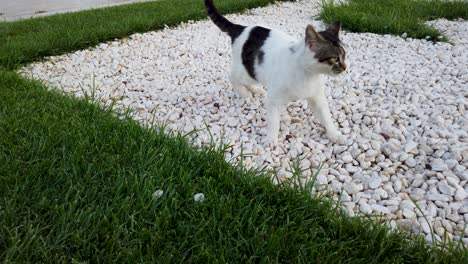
(238, 84)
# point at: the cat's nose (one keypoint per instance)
(343, 66)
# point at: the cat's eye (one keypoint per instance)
(329, 60)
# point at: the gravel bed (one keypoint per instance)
(402, 107)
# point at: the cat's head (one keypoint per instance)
(328, 56)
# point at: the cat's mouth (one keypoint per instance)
(338, 71)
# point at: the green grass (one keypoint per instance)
(29, 40)
(394, 17)
(76, 182)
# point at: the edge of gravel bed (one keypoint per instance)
(40, 55)
(312, 223)
(28, 40)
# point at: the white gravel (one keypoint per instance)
(402, 106)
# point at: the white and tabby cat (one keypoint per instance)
(289, 69)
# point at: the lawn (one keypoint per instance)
(28, 40)
(77, 183)
(396, 17)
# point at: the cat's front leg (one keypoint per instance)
(256, 89)
(241, 89)
(273, 115)
(319, 106)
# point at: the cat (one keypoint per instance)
(288, 68)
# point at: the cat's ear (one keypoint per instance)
(335, 28)
(312, 38)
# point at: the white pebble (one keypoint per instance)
(157, 194)
(439, 165)
(199, 197)
(365, 208)
(461, 195)
(380, 209)
(352, 188)
(374, 182)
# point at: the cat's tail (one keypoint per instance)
(233, 30)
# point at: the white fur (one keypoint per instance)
(287, 76)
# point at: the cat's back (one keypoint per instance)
(281, 38)
(260, 52)
(260, 36)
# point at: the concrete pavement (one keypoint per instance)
(16, 9)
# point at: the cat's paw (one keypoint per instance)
(256, 89)
(243, 91)
(271, 141)
(335, 136)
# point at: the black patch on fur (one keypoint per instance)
(331, 37)
(251, 48)
(233, 30)
(260, 57)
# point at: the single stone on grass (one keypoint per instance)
(157, 194)
(199, 197)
